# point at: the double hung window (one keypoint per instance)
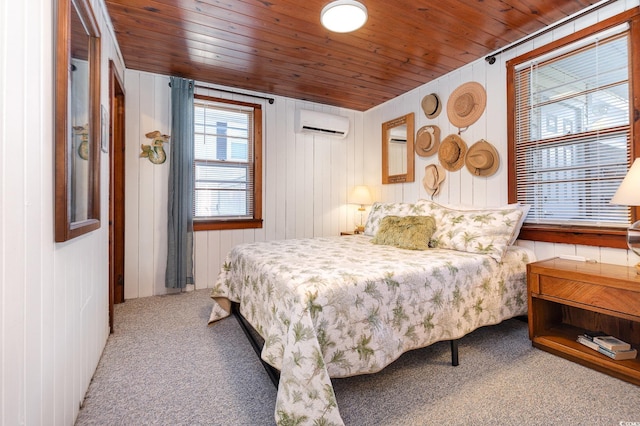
(227, 164)
(571, 136)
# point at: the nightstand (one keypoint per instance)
(350, 232)
(568, 297)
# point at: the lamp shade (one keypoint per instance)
(343, 16)
(360, 195)
(628, 194)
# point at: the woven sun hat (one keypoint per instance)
(431, 105)
(434, 175)
(427, 141)
(466, 104)
(482, 159)
(452, 152)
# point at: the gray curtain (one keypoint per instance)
(179, 270)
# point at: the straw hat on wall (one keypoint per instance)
(466, 104)
(452, 152)
(434, 175)
(431, 105)
(427, 141)
(482, 159)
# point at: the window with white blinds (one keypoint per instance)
(223, 161)
(572, 131)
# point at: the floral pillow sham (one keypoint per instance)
(477, 231)
(380, 210)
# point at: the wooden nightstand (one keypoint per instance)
(568, 297)
(350, 233)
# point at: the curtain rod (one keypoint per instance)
(491, 59)
(271, 100)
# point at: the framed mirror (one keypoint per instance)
(77, 126)
(398, 159)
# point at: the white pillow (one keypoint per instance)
(524, 208)
(477, 231)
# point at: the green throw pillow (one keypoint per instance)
(407, 232)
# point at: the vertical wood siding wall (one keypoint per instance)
(461, 187)
(306, 179)
(53, 297)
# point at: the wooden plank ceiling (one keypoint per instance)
(279, 46)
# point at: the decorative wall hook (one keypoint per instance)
(155, 151)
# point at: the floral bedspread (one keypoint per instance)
(341, 306)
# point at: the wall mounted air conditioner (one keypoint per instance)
(321, 123)
(398, 135)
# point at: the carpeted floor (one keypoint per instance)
(165, 366)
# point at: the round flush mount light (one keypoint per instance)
(343, 16)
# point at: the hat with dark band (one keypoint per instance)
(431, 105)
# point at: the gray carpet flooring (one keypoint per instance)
(165, 366)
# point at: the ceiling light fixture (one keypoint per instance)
(343, 16)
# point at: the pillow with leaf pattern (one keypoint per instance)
(380, 210)
(434, 208)
(476, 231)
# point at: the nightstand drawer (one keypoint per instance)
(614, 299)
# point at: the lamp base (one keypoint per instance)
(633, 241)
(359, 229)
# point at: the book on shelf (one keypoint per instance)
(591, 334)
(592, 340)
(618, 355)
(611, 343)
(589, 343)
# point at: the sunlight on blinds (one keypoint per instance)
(573, 133)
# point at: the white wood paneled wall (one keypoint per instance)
(53, 297)
(461, 187)
(306, 180)
(147, 108)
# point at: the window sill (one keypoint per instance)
(600, 237)
(217, 225)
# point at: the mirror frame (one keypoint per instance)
(65, 229)
(409, 176)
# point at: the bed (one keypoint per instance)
(342, 306)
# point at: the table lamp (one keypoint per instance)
(362, 196)
(628, 194)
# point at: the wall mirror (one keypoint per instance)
(397, 150)
(77, 126)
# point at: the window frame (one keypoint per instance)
(255, 222)
(583, 235)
